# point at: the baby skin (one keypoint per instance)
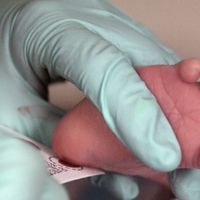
(83, 138)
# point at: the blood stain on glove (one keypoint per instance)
(24, 110)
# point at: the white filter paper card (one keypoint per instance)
(62, 172)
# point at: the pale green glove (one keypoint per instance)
(185, 184)
(96, 49)
(123, 187)
(95, 46)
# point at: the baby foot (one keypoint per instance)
(82, 136)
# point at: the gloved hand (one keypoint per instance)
(95, 46)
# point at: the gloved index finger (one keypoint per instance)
(70, 50)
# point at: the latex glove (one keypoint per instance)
(23, 173)
(185, 183)
(95, 46)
